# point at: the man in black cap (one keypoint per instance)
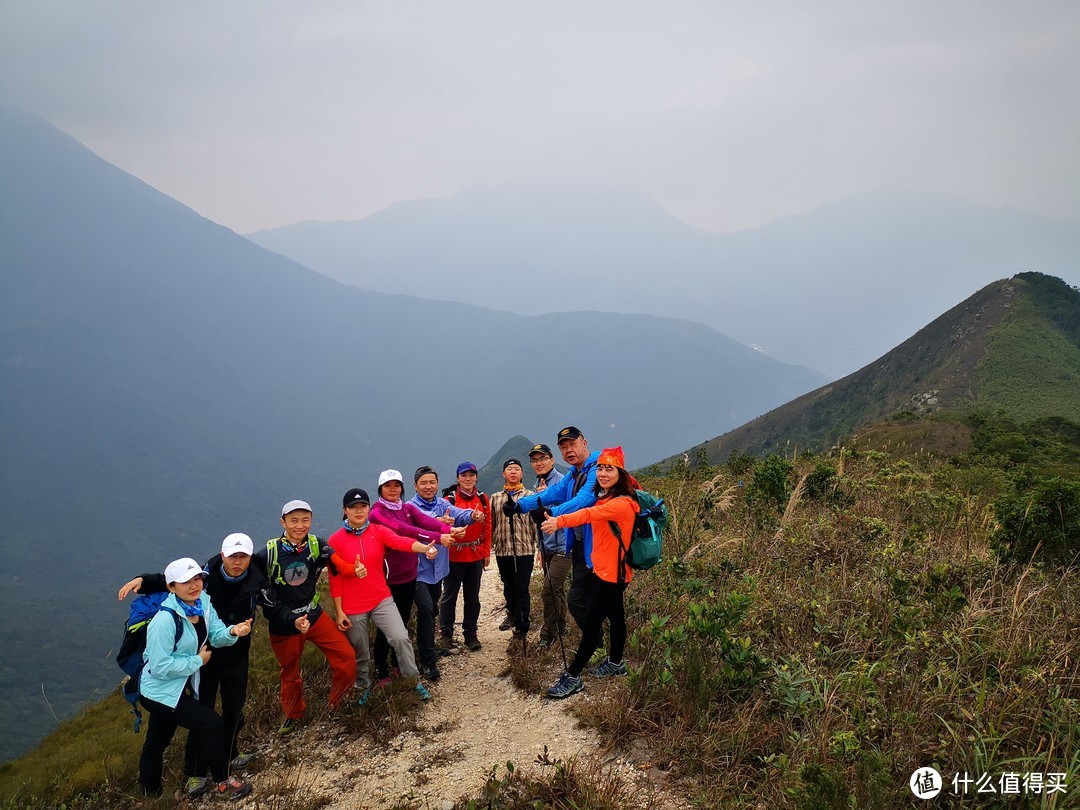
(553, 556)
(575, 491)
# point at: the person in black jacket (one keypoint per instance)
(236, 587)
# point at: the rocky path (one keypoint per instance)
(475, 720)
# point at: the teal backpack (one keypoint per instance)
(646, 544)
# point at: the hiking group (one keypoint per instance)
(387, 556)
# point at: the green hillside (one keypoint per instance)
(1013, 347)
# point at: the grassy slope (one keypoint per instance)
(1031, 368)
(803, 645)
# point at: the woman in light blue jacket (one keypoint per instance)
(179, 640)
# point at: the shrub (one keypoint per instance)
(1039, 514)
(769, 489)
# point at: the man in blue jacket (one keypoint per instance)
(575, 491)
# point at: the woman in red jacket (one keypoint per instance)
(366, 595)
(608, 574)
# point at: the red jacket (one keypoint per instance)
(477, 542)
(362, 594)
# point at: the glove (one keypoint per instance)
(511, 508)
(538, 515)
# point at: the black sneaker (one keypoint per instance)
(195, 787)
(431, 672)
(566, 686)
(242, 760)
(472, 642)
(508, 624)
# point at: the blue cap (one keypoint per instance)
(466, 466)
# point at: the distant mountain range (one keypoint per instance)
(1011, 348)
(167, 382)
(830, 289)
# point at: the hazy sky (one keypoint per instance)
(261, 113)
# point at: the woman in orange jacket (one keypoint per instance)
(608, 574)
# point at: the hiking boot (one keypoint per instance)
(290, 725)
(521, 632)
(565, 686)
(422, 692)
(608, 668)
(363, 700)
(242, 760)
(196, 786)
(447, 642)
(472, 642)
(232, 789)
(431, 672)
(508, 624)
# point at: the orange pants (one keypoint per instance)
(339, 653)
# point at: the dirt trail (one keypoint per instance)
(475, 720)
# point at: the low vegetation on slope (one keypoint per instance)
(822, 627)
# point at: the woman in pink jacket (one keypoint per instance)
(407, 520)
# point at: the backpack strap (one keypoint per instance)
(273, 567)
(179, 627)
(623, 548)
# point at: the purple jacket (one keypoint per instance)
(409, 521)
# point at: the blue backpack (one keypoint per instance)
(130, 656)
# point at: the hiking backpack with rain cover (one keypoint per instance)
(130, 656)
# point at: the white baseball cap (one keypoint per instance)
(237, 543)
(183, 570)
(391, 475)
(292, 506)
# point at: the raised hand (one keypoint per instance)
(131, 586)
(242, 629)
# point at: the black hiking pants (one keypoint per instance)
(204, 732)
(231, 679)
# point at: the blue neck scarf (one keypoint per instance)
(227, 578)
(190, 610)
(425, 504)
(353, 529)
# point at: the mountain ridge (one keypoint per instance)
(829, 289)
(968, 358)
